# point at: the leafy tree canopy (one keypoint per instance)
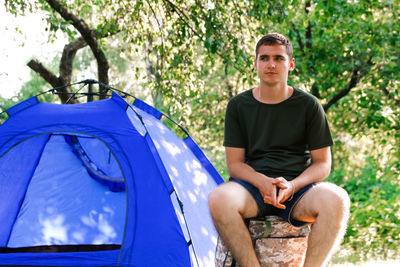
(192, 56)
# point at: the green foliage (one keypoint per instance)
(31, 88)
(374, 226)
(190, 57)
(367, 166)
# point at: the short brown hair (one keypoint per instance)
(275, 38)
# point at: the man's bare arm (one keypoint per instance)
(238, 169)
(316, 172)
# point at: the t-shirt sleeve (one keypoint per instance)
(318, 133)
(233, 136)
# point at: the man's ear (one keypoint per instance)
(291, 64)
(255, 64)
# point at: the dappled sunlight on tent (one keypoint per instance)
(54, 231)
(64, 205)
(191, 165)
(157, 144)
(57, 229)
(172, 148)
(192, 183)
(174, 171)
(192, 197)
(204, 230)
(208, 260)
(78, 236)
(200, 178)
(106, 233)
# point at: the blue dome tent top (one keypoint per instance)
(126, 191)
(116, 93)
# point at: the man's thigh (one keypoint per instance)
(321, 197)
(235, 196)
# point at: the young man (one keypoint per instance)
(277, 144)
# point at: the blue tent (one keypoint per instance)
(102, 183)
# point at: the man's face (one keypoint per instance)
(273, 64)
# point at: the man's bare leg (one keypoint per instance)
(327, 207)
(229, 204)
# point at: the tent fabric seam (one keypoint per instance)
(21, 106)
(164, 174)
(49, 132)
(190, 242)
(205, 162)
(30, 179)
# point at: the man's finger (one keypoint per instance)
(267, 200)
(280, 182)
(280, 206)
(273, 197)
(283, 185)
(280, 197)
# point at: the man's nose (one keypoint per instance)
(270, 63)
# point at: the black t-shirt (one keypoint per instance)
(277, 138)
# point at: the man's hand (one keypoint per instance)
(268, 186)
(268, 189)
(286, 189)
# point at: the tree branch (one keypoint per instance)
(160, 65)
(67, 60)
(315, 90)
(154, 72)
(299, 41)
(52, 79)
(308, 30)
(308, 48)
(68, 56)
(89, 36)
(356, 76)
(65, 67)
(183, 17)
(44, 72)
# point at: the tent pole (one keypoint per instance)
(90, 93)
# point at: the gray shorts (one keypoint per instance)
(267, 209)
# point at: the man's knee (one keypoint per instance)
(216, 200)
(231, 197)
(332, 200)
(220, 199)
(324, 199)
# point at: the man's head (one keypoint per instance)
(273, 39)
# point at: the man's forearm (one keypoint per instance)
(243, 171)
(316, 172)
